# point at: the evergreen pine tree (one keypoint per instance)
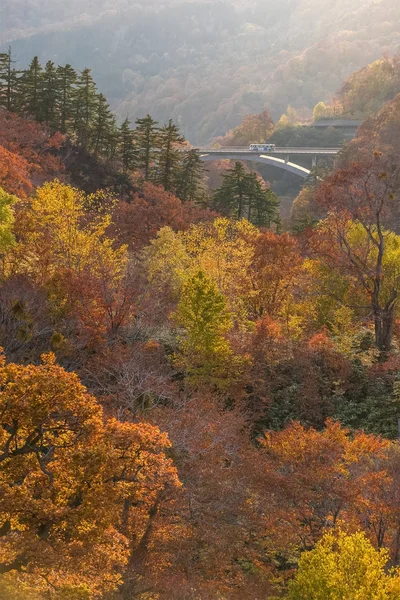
(264, 204)
(48, 95)
(103, 127)
(112, 140)
(169, 156)
(242, 195)
(232, 198)
(8, 81)
(30, 89)
(65, 98)
(188, 187)
(127, 150)
(147, 142)
(85, 107)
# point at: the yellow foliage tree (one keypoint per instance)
(56, 234)
(6, 221)
(344, 567)
(224, 249)
(64, 248)
(167, 261)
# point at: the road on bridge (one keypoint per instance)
(276, 150)
(276, 157)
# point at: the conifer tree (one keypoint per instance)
(147, 141)
(103, 127)
(3, 79)
(8, 81)
(242, 195)
(188, 186)
(30, 89)
(48, 94)
(65, 99)
(263, 209)
(85, 107)
(232, 198)
(169, 156)
(126, 146)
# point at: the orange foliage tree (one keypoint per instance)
(78, 492)
(314, 480)
(275, 266)
(14, 173)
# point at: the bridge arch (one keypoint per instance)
(259, 158)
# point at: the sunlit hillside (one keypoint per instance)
(205, 63)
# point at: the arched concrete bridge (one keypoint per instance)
(279, 157)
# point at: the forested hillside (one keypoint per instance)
(196, 404)
(206, 64)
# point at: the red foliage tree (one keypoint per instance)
(35, 147)
(139, 220)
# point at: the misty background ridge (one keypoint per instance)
(206, 64)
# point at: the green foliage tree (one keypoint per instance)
(126, 146)
(104, 128)
(8, 81)
(48, 95)
(264, 205)
(30, 89)
(242, 195)
(67, 77)
(85, 107)
(169, 156)
(203, 316)
(189, 181)
(369, 402)
(147, 141)
(234, 195)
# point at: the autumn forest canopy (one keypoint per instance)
(199, 392)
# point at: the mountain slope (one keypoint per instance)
(207, 64)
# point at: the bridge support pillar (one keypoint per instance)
(287, 159)
(314, 162)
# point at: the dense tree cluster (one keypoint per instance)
(79, 119)
(244, 195)
(68, 103)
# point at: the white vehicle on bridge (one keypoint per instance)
(262, 147)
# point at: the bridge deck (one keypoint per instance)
(276, 151)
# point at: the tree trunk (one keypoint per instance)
(384, 328)
(134, 569)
